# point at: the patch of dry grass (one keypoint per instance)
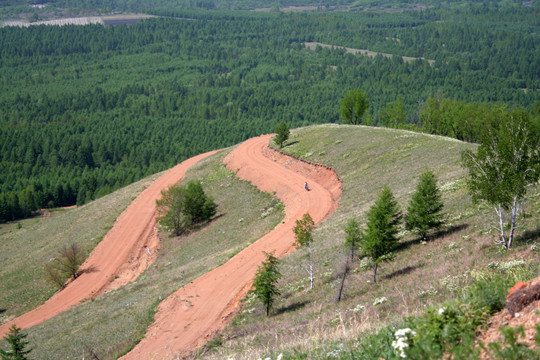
(310, 322)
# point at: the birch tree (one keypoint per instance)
(304, 238)
(505, 165)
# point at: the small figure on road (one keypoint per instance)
(306, 186)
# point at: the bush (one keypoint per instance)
(490, 294)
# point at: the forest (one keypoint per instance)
(85, 110)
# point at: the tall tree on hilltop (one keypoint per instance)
(353, 106)
(506, 163)
(380, 236)
(424, 211)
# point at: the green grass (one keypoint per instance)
(114, 322)
(309, 323)
(306, 323)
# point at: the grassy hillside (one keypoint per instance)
(110, 324)
(38, 239)
(308, 323)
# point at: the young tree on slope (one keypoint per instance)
(506, 163)
(282, 133)
(424, 211)
(354, 236)
(304, 237)
(65, 265)
(264, 286)
(16, 339)
(380, 236)
(171, 209)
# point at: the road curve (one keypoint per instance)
(189, 317)
(133, 236)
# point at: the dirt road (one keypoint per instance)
(189, 317)
(132, 237)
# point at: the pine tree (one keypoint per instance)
(354, 236)
(16, 339)
(264, 286)
(380, 236)
(282, 133)
(424, 211)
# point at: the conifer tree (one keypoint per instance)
(380, 236)
(282, 133)
(264, 286)
(424, 211)
(16, 339)
(354, 236)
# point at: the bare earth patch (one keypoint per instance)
(364, 52)
(192, 315)
(528, 316)
(123, 254)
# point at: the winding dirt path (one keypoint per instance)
(123, 254)
(189, 317)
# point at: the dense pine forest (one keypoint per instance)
(85, 110)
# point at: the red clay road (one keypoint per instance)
(134, 229)
(189, 317)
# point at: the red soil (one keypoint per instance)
(123, 254)
(192, 315)
(528, 317)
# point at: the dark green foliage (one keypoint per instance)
(353, 237)
(171, 209)
(511, 349)
(265, 284)
(66, 264)
(353, 106)
(424, 210)
(180, 207)
(394, 114)
(447, 330)
(74, 117)
(490, 294)
(282, 133)
(506, 163)
(380, 236)
(197, 206)
(17, 342)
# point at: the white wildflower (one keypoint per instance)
(379, 301)
(280, 356)
(402, 340)
(441, 311)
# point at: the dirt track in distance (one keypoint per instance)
(193, 314)
(132, 237)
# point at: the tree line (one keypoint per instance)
(86, 110)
